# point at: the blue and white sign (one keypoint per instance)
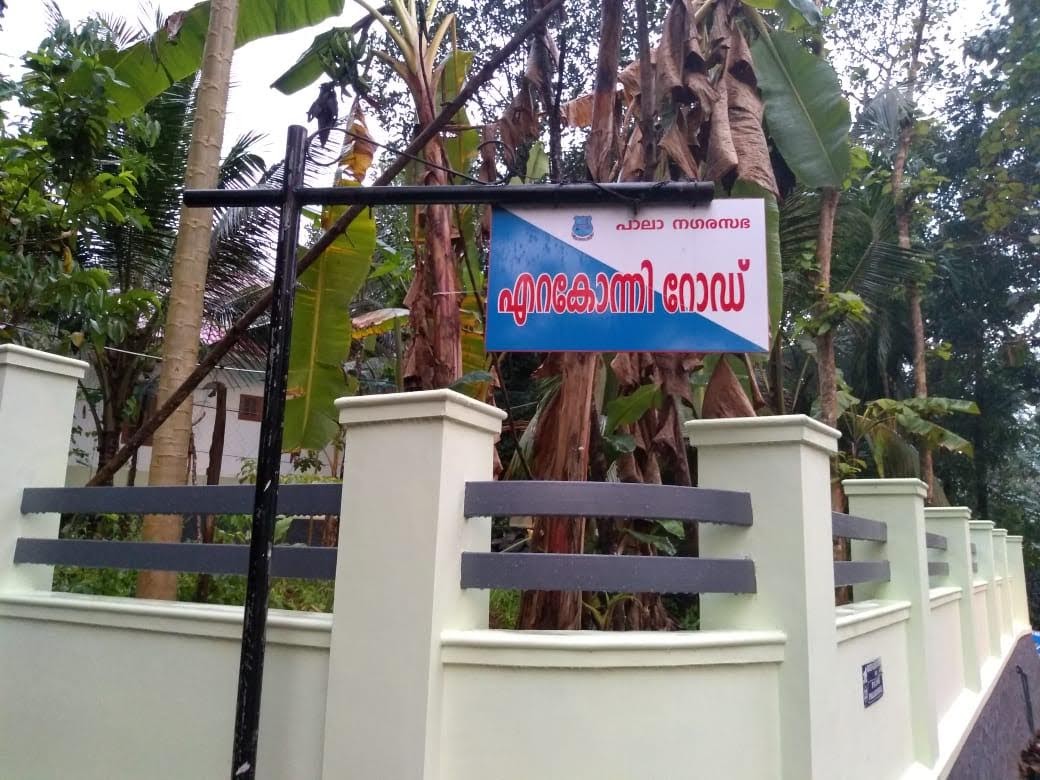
(669, 278)
(873, 682)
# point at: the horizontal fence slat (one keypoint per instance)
(938, 569)
(311, 499)
(313, 563)
(615, 573)
(852, 527)
(934, 541)
(856, 572)
(607, 499)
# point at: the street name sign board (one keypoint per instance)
(606, 278)
(873, 682)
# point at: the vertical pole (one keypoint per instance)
(37, 397)
(397, 577)
(784, 463)
(1020, 599)
(952, 522)
(900, 504)
(982, 538)
(254, 623)
(1000, 564)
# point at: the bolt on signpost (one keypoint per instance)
(634, 276)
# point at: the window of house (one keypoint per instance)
(250, 407)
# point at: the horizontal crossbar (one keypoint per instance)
(935, 541)
(938, 569)
(312, 563)
(856, 572)
(613, 573)
(852, 527)
(313, 499)
(606, 499)
(630, 193)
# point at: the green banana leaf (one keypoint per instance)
(460, 147)
(311, 64)
(150, 67)
(775, 263)
(321, 333)
(807, 116)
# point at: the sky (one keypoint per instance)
(253, 105)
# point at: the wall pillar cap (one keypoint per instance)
(1000, 532)
(775, 429)
(981, 525)
(37, 360)
(947, 513)
(885, 487)
(421, 405)
(1015, 539)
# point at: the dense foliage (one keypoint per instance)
(924, 154)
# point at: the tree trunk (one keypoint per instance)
(903, 208)
(561, 452)
(828, 373)
(561, 443)
(191, 257)
(434, 358)
(216, 459)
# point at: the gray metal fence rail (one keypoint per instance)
(863, 529)
(287, 561)
(934, 541)
(858, 572)
(619, 573)
(852, 527)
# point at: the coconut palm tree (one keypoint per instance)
(140, 257)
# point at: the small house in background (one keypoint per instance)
(244, 408)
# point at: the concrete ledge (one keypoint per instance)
(421, 405)
(779, 429)
(170, 617)
(865, 617)
(885, 487)
(35, 360)
(606, 649)
(939, 596)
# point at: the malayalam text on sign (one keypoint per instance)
(667, 278)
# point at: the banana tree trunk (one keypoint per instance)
(169, 464)
(434, 356)
(828, 374)
(561, 445)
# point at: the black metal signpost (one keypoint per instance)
(290, 198)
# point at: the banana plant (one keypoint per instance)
(435, 356)
(321, 334)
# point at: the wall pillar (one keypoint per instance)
(37, 404)
(402, 532)
(900, 504)
(1019, 593)
(1004, 577)
(982, 538)
(784, 463)
(952, 522)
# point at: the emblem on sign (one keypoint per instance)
(873, 683)
(663, 279)
(581, 230)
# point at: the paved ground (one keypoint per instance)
(1002, 730)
